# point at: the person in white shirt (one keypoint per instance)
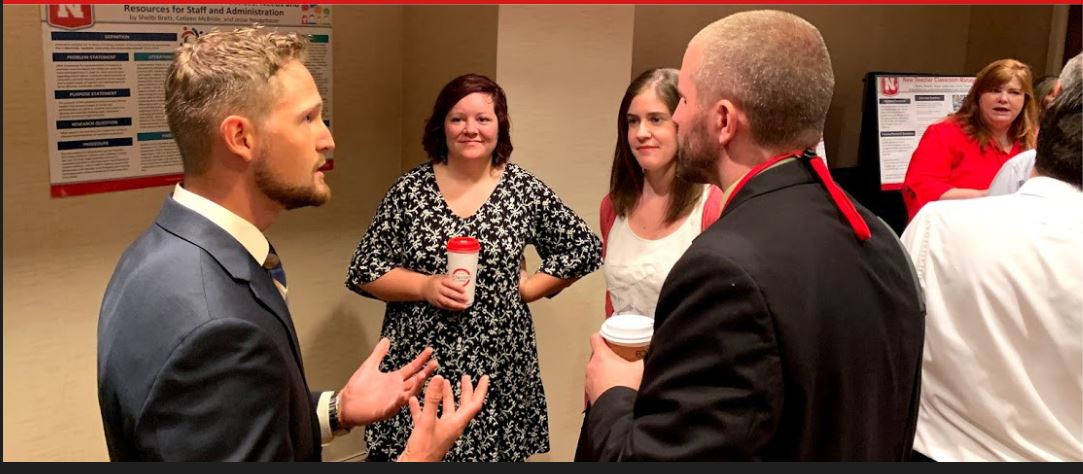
(1017, 170)
(1013, 174)
(1002, 373)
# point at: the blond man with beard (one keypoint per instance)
(198, 358)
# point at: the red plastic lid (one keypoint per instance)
(463, 244)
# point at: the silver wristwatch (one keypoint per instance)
(332, 414)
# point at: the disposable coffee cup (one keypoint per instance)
(462, 263)
(629, 335)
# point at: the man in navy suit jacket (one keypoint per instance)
(792, 328)
(198, 357)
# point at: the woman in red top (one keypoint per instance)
(958, 157)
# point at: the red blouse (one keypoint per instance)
(948, 158)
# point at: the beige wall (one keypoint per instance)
(441, 43)
(940, 39)
(562, 107)
(60, 253)
(564, 69)
(860, 39)
(1010, 31)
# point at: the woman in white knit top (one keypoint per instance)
(650, 216)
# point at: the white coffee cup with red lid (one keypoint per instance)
(462, 263)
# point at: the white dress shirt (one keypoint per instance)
(1013, 174)
(1002, 373)
(250, 237)
(246, 233)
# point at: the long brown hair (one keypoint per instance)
(996, 74)
(626, 180)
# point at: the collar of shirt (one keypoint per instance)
(729, 189)
(243, 231)
(1045, 186)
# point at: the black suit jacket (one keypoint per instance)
(197, 355)
(778, 336)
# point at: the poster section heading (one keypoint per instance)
(241, 15)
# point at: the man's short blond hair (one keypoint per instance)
(776, 67)
(220, 74)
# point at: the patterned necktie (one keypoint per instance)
(274, 265)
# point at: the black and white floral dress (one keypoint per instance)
(495, 335)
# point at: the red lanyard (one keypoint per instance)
(842, 203)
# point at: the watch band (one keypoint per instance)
(333, 418)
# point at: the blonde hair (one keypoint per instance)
(998, 73)
(775, 66)
(220, 74)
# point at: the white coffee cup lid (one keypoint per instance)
(628, 329)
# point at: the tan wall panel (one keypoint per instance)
(441, 42)
(1010, 31)
(565, 69)
(860, 39)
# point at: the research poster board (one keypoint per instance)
(105, 70)
(905, 106)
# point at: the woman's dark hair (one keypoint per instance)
(626, 179)
(434, 141)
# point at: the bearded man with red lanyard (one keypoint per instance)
(792, 328)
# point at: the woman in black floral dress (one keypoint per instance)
(469, 189)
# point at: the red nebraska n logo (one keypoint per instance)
(889, 85)
(72, 17)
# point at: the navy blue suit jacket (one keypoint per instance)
(197, 355)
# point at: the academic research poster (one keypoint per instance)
(905, 107)
(105, 70)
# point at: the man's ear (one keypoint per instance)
(239, 135)
(724, 121)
